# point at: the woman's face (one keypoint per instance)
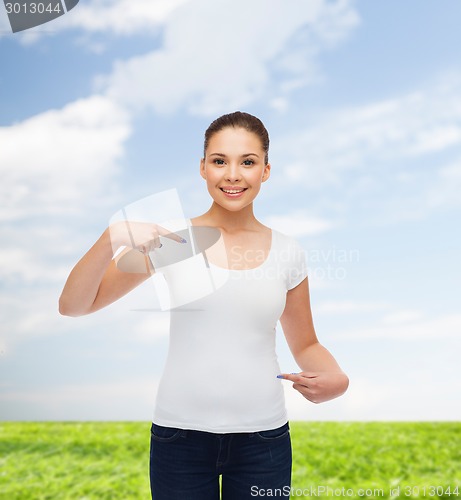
(234, 167)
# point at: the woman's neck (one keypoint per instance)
(220, 217)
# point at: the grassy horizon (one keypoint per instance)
(110, 460)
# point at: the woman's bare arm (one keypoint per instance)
(95, 281)
(321, 379)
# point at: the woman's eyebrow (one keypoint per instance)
(243, 156)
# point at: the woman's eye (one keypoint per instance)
(220, 161)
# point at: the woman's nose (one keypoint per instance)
(232, 172)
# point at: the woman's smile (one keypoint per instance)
(233, 192)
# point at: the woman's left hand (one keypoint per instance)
(318, 386)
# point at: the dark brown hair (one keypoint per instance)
(239, 119)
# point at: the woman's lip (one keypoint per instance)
(234, 195)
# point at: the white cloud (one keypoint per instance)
(403, 326)
(29, 309)
(400, 398)
(116, 17)
(348, 306)
(27, 312)
(127, 400)
(445, 188)
(53, 165)
(12, 262)
(420, 397)
(120, 17)
(53, 161)
(220, 55)
(354, 139)
(407, 147)
(298, 224)
(38, 251)
(402, 317)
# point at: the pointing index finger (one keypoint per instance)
(294, 377)
(297, 377)
(168, 234)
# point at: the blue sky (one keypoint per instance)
(362, 100)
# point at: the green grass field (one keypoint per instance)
(99, 460)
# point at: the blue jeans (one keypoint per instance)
(186, 464)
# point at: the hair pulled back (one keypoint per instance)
(239, 119)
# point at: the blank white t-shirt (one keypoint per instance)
(221, 370)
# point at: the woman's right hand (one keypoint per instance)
(141, 236)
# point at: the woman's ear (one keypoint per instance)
(266, 173)
(202, 168)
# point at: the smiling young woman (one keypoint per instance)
(220, 408)
(234, 168)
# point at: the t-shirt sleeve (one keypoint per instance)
(296, 269)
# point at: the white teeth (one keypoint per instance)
(233, 191)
